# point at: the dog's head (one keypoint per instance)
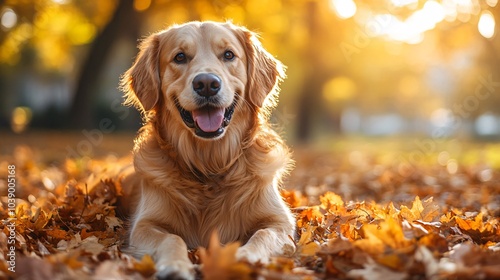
(204, 74)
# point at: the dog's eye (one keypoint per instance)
(228, 55)
(180, 58)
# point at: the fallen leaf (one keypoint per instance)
(377, 238)
(331, 201)
(91, 245)
(219, 262)
(146, 267)
(425, 211)
(375, 271)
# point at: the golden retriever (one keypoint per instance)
(206, 159)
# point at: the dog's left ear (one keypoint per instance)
(264, 71)
(141, 83)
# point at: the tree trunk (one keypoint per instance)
(125, 20)
(312, 82)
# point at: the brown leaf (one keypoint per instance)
(34, 269)
(91, 245)
(434, 242)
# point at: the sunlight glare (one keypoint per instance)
(434, 11)
(426, 18)
(344, 8)
(402, 3)
(412, 29)
(486, 25)
(450, 10)
(9, 18)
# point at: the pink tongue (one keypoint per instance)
(209, 119)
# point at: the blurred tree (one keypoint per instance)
(124, 22)
(315, 74)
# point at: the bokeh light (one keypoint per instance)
(339, 89)
(486, 24)
(142, 5)
(492, 3)
(21, 117)
(8, 18)
(344, 8)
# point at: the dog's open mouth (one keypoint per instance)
(208, 121)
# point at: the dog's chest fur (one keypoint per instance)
(193, 207)
(215, 205)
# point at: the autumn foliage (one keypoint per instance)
(386, 224)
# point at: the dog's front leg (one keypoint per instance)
(168, 250)
(266, 243)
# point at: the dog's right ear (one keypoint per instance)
(141, 83)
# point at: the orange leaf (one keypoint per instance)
(57, 233)
(390, 260)
(84, 234)
(331, 200)
(292, 198)
(220, 262)
(430, 211)
(146, 267)
(311, 214)
(306, 245)
(388, 234)
(463, 224)
(426, 211)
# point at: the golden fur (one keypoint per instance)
(186, 187)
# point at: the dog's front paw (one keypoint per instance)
(175, 270)
(245, 253)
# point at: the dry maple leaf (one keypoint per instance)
(424, 211)
(292, 198)
(307, 246)
(310, 215)
(219, 262)
(468, 224)
(331, 201)
(387, 234)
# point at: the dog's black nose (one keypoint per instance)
(206, 84)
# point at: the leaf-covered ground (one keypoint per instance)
(364, 211)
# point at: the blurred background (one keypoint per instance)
(355, 67)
